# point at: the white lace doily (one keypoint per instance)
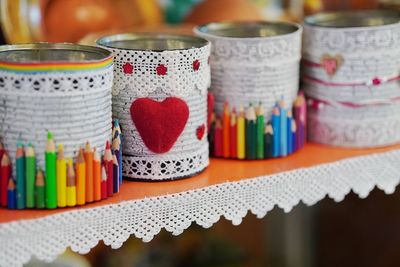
(82, 229)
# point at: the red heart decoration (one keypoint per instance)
(200, 131)
(331, 64)
(159, 123)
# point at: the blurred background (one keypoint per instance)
(356, 232)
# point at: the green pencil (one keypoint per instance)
(40, 191)
(51, 180)
(260, 132)
(250, 133)
(30, 167)
(20, 167)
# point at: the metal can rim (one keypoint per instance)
(288, 28)
(355, 19)
(186, 41)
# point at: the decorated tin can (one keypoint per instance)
(62, 88)
(160, 99)
(253, 65)
(351, 77)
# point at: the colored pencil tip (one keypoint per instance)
(87, 147)
(69, 162)
(60, 147)
(116, 123)
(49, 135)
(108, 144)
(20, 143)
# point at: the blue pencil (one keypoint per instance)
(284, 148)
(11, 195)
(118, 134)
(289, 132)
(294, 130)
(20, 174)
(276, 126)
(115, 174)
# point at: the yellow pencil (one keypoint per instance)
(61, 178)
(241, 135)
(80, 178)
(71, 185)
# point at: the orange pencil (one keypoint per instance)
(233, 137)
(96, 175)
(88, 155)
(103, 182)
(108, 163)
(80, 178)
(226, 131)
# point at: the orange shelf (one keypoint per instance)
(219, 171)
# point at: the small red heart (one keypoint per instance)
(200, 131)
(127, 68)
(159, 123)
(161, 70)
(331, 64)
(196, 65)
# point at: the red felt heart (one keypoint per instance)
(200, 131)
(331, 64)
(159, 123)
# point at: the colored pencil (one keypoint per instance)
(251, 134)
(108, 162)
(40, 194)
(11, 194)
(5, 176)
(233, 136)
(260, 132)
(283, 139)
(103, 182)
(211, 133)
(30, 167)
(115, 174)
(116, 144)
(241, 135)
(80, 177)
(226, 130)
(293, 135)
(51, 174)
(2, 151)
(119, 157)
(289, 132)
(96, 175)
(21, 185)
(88, 155)
(61, 178)
(218, 139)
(276, 125)
(268, 141)
(71, 184)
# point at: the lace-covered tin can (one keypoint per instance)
(351, 66)
(160, 98)
(62, 88)
(253, 62)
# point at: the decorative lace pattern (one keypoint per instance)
(47, 237)
(158, 75)
(250, 70)
(356, 66)
(75, 106)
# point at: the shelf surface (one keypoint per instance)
(219, 171)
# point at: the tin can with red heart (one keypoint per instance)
(350, 74)
(160, 99)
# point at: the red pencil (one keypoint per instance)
(233, 137)
(5, 171)
(108, 163)
(103, 182)
(226, 131)
(218, 139)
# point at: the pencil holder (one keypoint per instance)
(63, 88)
(351, 77)
(252, 64)
(160, 98)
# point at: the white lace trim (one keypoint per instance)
(82, 229)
